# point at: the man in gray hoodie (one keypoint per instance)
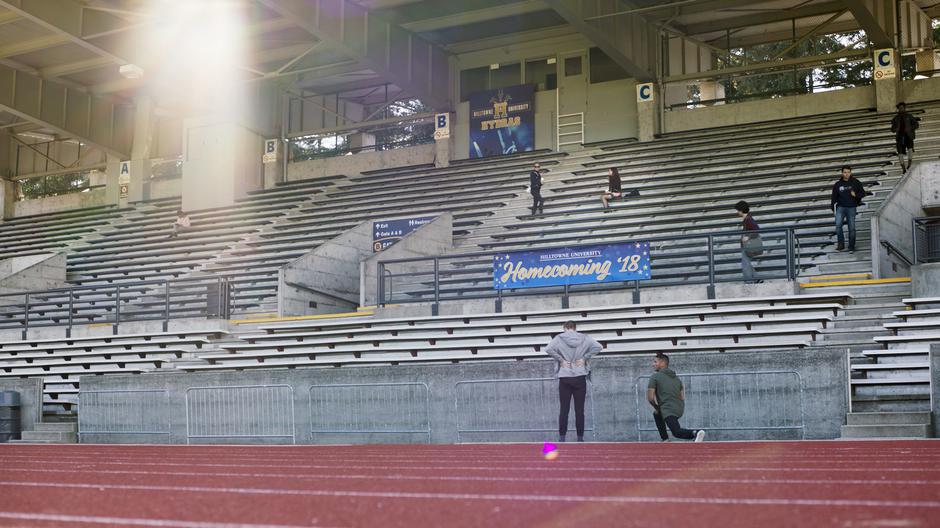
(572, 350)
(667, 396)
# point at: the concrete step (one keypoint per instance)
(50, 436)
(56, 427)
(887, 431)
(889, 418)
(840, 277)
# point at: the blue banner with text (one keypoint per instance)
(502, 121)
(574, 265)
(387, 232)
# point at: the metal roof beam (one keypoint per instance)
(68, 19)
(475, 16)
(69, 112)
(396, 54)
(630, 40)
(770, 17)
(877, 18)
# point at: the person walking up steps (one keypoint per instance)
(667, 396)
(572, 351)
(904, 126)
(535, 188)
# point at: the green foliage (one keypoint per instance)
(796, 79)
(32, 188)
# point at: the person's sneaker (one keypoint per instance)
(851, 250)
(561, 438)
(700, 435)
(666, 440)
(840, 247)
(580, 439)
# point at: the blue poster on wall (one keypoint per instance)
(574, 265)
(502, 121)
(387, 232)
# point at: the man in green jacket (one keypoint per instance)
(667, 396)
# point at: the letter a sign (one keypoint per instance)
(884, 64)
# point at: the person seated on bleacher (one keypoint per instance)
(751, 244)
(182, 223)
(614, 189)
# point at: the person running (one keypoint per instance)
(751, 243)
(904, 125)
(667, 396)
(572, 352)
(535, 188)
(847, 194)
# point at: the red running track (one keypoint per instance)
(808, 484)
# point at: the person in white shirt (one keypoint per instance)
(182, 223)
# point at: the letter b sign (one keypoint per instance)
(442, 126)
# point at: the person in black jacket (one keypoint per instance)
(847, 194)
(613, 186)
(535, 188)
(903, 125)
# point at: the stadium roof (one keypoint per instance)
(79, 45)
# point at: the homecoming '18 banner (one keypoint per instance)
(502, 121)
(576, 265)
(387, 232)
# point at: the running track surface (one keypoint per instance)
(728, 485)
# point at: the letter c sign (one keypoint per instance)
(644, 93)
(884, 58)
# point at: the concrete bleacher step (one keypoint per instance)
(889, 418)
(888, 431)
(52, 433)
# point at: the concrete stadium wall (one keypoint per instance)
(165, 188)
(768, 109)
(355, 164)
(30, 390)
(892, 221)
(34, 272)
(311, 405)
(64, 202)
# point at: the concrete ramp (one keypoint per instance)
(333, 277)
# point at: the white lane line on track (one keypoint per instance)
(131, 521)
(461, 478)
(543, 466)
(858, 503)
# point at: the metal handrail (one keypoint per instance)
(791, 248)
(74, 294)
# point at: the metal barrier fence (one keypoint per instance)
(124, 412)
(926, 239)
(677, 260)
(501, 406)
(161, 300)
(371, 408)
(240, 411)
(708, 398)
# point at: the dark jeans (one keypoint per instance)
(537, 201)
(568, 387)
(673, 423)
(845, 215)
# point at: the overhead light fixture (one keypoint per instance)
(131, 71)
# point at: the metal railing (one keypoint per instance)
(500, 406)
(926, 243)
(124, 412)
(734, 401)
(240, 412)
(706, 259)
(160, 300)
(402, 408)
